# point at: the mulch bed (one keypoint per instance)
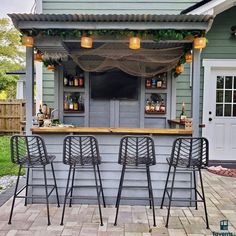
(228, 172)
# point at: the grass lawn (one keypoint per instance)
(6, 166)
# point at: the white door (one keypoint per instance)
(219, 113)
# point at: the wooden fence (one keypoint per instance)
(12, 116)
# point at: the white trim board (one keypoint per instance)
(213, 7)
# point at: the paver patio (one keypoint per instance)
(133, 220)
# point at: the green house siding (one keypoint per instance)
(116, 6)
(48, 87)
(220, 46)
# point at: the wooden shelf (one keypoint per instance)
(73, 112)
(155, 89)
(155, 113)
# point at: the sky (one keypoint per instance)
(15, 6)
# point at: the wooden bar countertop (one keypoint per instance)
(111, 130)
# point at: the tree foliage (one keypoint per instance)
(11, 56)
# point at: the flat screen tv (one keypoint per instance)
(113, 84)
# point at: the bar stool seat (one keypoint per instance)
(30, 152)
(80, 151)
(136, 151)
(191, 155)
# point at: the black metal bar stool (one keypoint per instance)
(136, 151)
(81, 151)
(30, 152)
(188, 154)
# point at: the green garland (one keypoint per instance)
(156, 35)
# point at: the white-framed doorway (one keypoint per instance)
(219, 108)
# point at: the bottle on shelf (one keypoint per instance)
(76, 81)
(157, 107)
(183, 114)
(40, 116)
(71, 105)
(66, 81)
(162, 106)
(153, 81)
(81, 80)
(66, 103)
(75, 104)
(164, 77)
(71, 81)
(153, 105)
(147, 106)
(159, 82)
(148, 83)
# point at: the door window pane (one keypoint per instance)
(219, 109)
(228, 96)
(235, 96)
(228, 82)
(227, 109)
(220, 82)
(219, 96)
(234, 110)
(234, 82)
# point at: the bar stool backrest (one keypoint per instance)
(81, 150)
(190, 152)
(136, 150)
(28, 150)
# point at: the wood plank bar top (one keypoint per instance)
(111, 130)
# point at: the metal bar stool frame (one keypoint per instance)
(188, 154)
(81, 151)
(135, 151)
(29, 151)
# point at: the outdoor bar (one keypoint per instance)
(91, 99)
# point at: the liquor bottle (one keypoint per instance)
(65, 81)
(75, 104)
(71, 105)
(183, 115)
(66, 103)
(81, 80)
(153, 105)
(148, 83)
(159, 82)
(76, 81)
(147, 107)
(157, 108)
(71, 81)
(153, 83)
(40, 116)
(162, 106)
(164, 80)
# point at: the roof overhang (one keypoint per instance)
(113, 22)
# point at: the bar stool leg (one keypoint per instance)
(100, 181)
(170, 198)
(167, 180)
(203, 198)
(151, 193)
(195, 187)
(15, 194)
(46, 192)
(72, 186)
(26, 186)
(55, 184)
(66, 194)
(98, 195)
(119, 193)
